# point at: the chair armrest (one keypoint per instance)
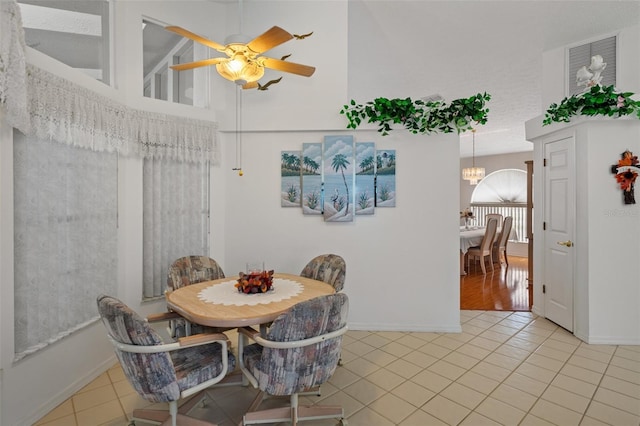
(201, 339)
(249, 332)
(298, 343)
(184, 342)
(163, 316)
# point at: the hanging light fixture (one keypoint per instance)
(473, 174)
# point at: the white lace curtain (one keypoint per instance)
(65, 238)
(175, 217)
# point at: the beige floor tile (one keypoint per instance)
(461, 337)
(473, 351)
(531, 420)
(535, 372)
(358, 334)
(628, 353)
(484, 343)
(526, 384)
(123, 388)
(491, 371)
(581, 374)
(610, 415)
(446, 410)
(566, 399)
(427, 337)
(385, 379)
(502, 328)
(522, 344)
(472, 329)
(379, 357)
(590, 421)
(503, 361)
(343, 377)
(618, 400)
(461, 360)
(446, 369)
(555, 354)
(347, 356)
(463, 395)
(101, 380)
(494, 335)
(396, 349)
(375, 340)
(513, 352)
(448, 342)
(545, 362)
(500, 412)
(475, 419)
(589, 364)
(480, 323)
(359, 348)
(606, 349)
(622, 386)
(420, 418)
(63, 410)
(392, 335)
(404, 368)
(430, 380)
(478, 382)
(94, 397)
(413, 393)
(420, 359)
(576, 386)
(514, 397)
(530, 337)
(596, 355)
(392, 407)
(69, 420)
(364, 391)
(627, 364)
(361, 367)
(411, 341)
(513, 323)
(116, 374)
(555, 413)
(367, 416)
(623, 374)
(559, 345)
(104, 413)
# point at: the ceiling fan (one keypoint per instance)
(244, 63)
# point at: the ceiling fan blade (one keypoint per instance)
(292, 67)
(251, 85)
(197, 64)
(269, 39)
(195, 37)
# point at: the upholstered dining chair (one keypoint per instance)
(164, 372)
(496, 216)
(329, 268)
(185, 271)
(485, 249)
(299, 351)
(500, 243)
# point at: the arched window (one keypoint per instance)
(504, 192)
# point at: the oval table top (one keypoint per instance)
(187, 301)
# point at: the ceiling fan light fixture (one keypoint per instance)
(240, 70)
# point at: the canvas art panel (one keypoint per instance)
(311, 172)
(339, 178)
(290, 179)
(386, 178)
(365, 177)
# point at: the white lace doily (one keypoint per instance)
(227, 294)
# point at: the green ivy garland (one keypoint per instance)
(598, 100)
(419, 116)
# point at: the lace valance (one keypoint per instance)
(39, 103)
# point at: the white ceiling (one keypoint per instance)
(417, 48)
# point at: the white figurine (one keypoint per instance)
(591, 76)
(583, 76)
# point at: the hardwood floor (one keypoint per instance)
(503, 289)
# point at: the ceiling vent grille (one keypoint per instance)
(580, 56)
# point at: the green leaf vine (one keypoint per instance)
(598, 100)
(419, 116)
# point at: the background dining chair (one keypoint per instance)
(162, 372)
(300, 351)
(496, 216)
(500, 243)
(185, 271)
(485, 249)
(329, 268)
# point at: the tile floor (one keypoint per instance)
(505, 368)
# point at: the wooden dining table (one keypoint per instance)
(218, 303)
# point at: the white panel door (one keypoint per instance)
(559, 201)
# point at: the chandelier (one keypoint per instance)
(473, 174)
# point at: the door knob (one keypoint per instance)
(567, 243)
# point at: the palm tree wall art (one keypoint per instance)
(339, 178)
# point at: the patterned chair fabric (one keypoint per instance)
(158, 377)
(329, 268)
(191, 270)
(289, 371)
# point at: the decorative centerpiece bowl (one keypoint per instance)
(255, 282)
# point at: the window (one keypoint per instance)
(73, 32)
(65, 238)
(175, 215)
(161, 49)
